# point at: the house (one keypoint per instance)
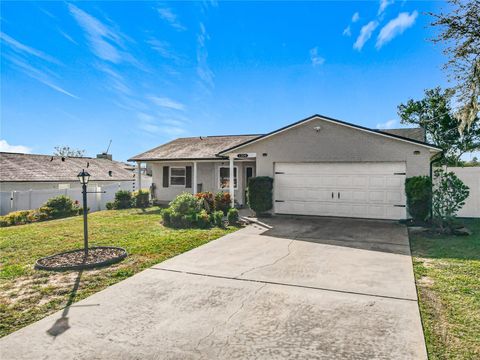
(320, 166)
(22, 172)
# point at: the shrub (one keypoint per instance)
(3, 221)
(123, 199)
(17, 217)
(141, 199)
(185, 204)
(419, 196)
(61, 206)
(207, 201)
(222, 202)
(110, 205)
(203, 219)
(166, 216)
(232, 216)
(217, 218)
(449, 195)
(260, 194)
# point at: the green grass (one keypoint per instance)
(27, 295)
(447, 273)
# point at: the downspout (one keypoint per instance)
(435, 159)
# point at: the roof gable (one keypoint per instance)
(386, 133)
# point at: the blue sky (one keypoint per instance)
(142, 73)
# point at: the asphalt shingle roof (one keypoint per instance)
(30, 167)
(417, 134)
(193, 148)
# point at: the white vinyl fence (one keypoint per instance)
(32, 199)
(470, 177)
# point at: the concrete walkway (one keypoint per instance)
(309, 288)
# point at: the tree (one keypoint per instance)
(68, 151)
(461, 33)
(434, 113)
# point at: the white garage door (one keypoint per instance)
(363, 190)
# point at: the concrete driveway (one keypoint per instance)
(309, 288)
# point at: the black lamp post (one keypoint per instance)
(84, 177)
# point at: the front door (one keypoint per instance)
(249, 173)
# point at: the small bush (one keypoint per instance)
(62, 206)
(217, 218)
(203, 219)
(3, 221)
(110, 205)
(260, 194)
(141, 199)
(419, 196)
(123, 199)
(207, 201)
(17, 217)
(449, 195)
(222, 202)
(185, 204)
(232, 216)
(167, 217)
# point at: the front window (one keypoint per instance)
(177, 176)
(225, 177)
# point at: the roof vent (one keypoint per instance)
(63, 158)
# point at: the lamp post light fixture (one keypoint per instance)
(84, 176)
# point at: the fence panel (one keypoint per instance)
(33, 199)
(471, 177)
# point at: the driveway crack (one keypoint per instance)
(267, 265)
(230, 317)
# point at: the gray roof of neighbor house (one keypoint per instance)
(417, 134)
(193, 148)
(15, 167)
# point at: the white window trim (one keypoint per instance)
(170, 176)
(218, 180)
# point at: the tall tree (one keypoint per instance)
(68, 151)
(461, 34)
(434, 113)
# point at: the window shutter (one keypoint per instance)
(165, 176)
(188, 177)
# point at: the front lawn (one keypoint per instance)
(27, 295)
(447, 273)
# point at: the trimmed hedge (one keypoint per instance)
(419, 197)
(260, 194)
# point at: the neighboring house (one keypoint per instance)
(320, 166)
(22, 172)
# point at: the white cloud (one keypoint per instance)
(170, 17)
(104, 41)
(390, 124)
(18, 47)
(166, 102)
(164, 49)
(153, 126)
(315, 58)
(38, 75)
(355, 17)
(6, 147)
(347, 31)
(383, 5)
(203, 70)
(365, 34)
(396, 27)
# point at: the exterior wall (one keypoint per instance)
(37, 185)
(335, 143)
(207, 176)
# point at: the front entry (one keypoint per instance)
(362, 190)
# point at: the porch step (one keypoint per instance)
(252, 220)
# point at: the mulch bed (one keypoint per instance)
(72, 260)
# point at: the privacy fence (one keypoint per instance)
(32, 199)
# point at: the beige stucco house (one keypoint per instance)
(320, 166)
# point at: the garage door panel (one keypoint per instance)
(359, 189)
